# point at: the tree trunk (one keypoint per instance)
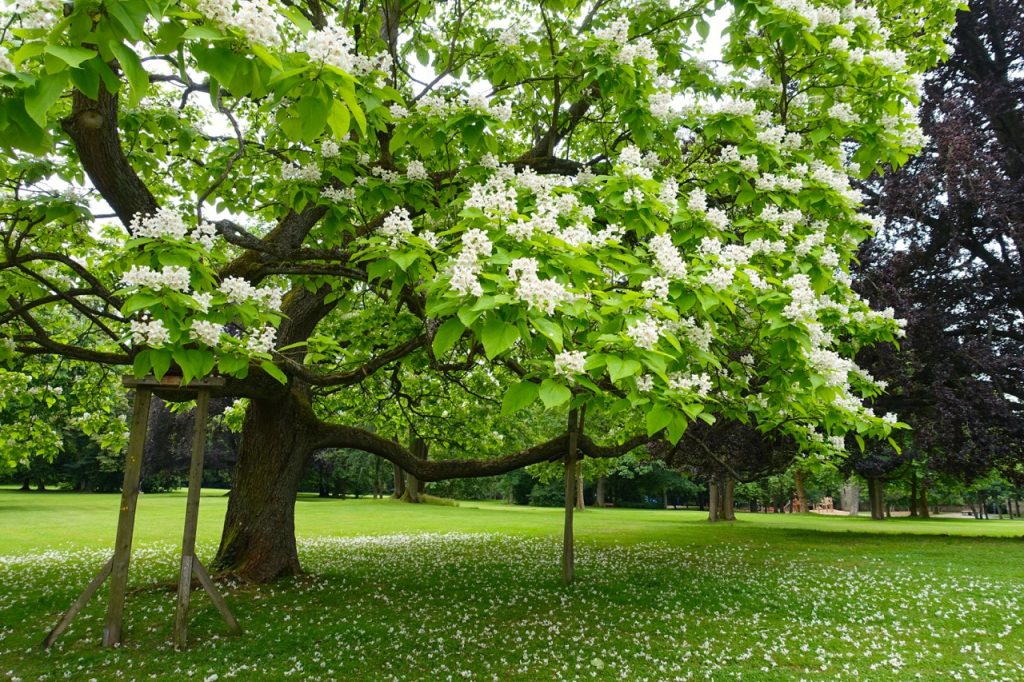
(728, 485)
(568, 555)
(801, 493)
(26, 486)
(580, 503)
(713, 503)
(850, 498)
(377, 486)
(913, 495)
(413, 486)
(599, 494)
(877, 497)
(258, 541)
(399, 482)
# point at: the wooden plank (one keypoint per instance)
(216, 597)
(79, 604)
(188, 541)
(126, 519)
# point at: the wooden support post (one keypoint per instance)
(82, 600)
(216, 597)
(126, 518)
(188, 541)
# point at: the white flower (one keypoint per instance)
(237, 290)
(171, 277)
(205, 332)
(329, 149)
(397, 226)
(416, 171)
(570, 362)
(261, 340)
(152, 333)
(307, 173)
(666, 257)
(332, 45)
(645, 333)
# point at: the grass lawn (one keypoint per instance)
(403, 592)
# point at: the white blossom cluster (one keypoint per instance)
(397, 226)
(261, 340)
(415, 170)
(700, 384)
(339, 195)
(645, 332)
(205, 332)
(167, 224)
(173, 277)
(152, 333)
(252, 18)
(439, 106)
(309, 172)
(544, 294)
(238, 290)
(332, 46)
(666, 257)
(570, 363)
(465, 271)
(615, 36)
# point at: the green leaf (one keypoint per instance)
(338, 119)
(138, 79)
(274, 371)
(143, 299)
(498, 336)
(619, 367)
(518, 396)
(202, 33)
(141, 364)
(43, 94)
(553, 394)
(551, 330)
(161, 360)
(446, 336)
(658, 418)
(72, 56)
(349, 95)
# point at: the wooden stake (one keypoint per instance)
(126, 519)
(188, 541)
(82, 600)
(216, 597)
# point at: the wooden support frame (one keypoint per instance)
(117, 567)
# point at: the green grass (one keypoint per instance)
(396, 591)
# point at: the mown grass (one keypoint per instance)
(395, 591)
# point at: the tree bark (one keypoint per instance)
(399, 482)
(913, 494)
(728, 485)
(713, 503)
(413, 486)
(258, 540)
(599, 494)
(877, 497)
(850, 498)
(568, 554)
(801, 493)
(922, 504)
(580, 503)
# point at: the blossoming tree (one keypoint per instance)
(296, 195)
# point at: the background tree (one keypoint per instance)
(949, 261)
